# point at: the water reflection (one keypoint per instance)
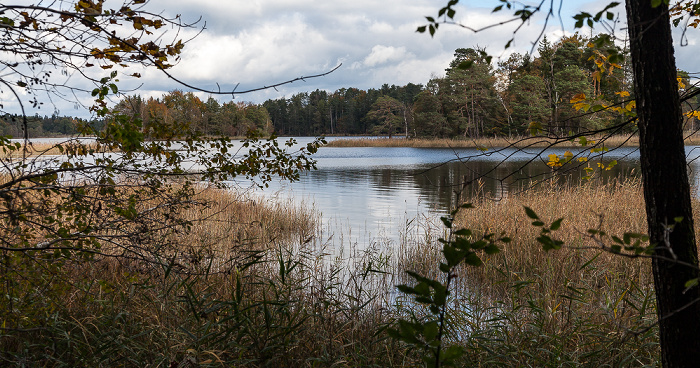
(374, 192)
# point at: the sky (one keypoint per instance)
(253, 43)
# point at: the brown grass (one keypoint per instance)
(295, 305)
(591, 307)
(19, 149)
(489, 142)
(614, 208)
(247, 287)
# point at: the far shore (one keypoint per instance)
(496, 142)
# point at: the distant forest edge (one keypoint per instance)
(551, 92)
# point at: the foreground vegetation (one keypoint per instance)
(252, 285)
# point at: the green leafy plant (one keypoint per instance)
(462, 246)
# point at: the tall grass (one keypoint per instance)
(254, 285)
(491, 142)
(578, 306)
(250, 287)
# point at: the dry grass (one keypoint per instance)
(577, 306)
(489, 142)
(282, 300)
(615, 208)
(248, 288)
(34, 149)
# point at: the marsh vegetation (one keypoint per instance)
(254, 285)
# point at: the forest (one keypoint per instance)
(551, 92)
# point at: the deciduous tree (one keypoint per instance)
(664, 174)
(117, 194)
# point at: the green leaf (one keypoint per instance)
(444, 267)
(492, 249)
(447, 221)
(452, 353)
(556, 224)
(406, 289)
(530, 213)
(691, 283)
(431, 330)
(422, 289)
(472, 259)
(7, 21)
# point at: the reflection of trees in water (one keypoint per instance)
(436, 184)
(497, 180)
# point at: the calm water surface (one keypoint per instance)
(377, 194)
(368, 195)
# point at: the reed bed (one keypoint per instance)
(249, 287)
(255, 285)
(578, 306)
(492, 142)
(20, 149)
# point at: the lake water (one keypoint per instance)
(377, 195)
(373, 195)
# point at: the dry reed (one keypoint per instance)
(34, 149)
(282, 300)
(579, 305)
(491, 142)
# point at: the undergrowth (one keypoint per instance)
(253, 286)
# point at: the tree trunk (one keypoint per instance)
(666, 185)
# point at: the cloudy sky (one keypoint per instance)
(253, 43)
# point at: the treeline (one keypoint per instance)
(185, 110)
(346, 111)
(553, 92)
(42, 126)
(474, 98)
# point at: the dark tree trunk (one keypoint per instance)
(666, 186)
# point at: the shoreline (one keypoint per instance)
(495, 142)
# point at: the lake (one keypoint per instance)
(374, 195)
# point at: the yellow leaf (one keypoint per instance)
(681, 85)
(622, 93)
(554, 161)
(631, 105)
(578, 98)
(582, 106)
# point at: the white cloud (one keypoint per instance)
(262, 42)
(382, 54)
